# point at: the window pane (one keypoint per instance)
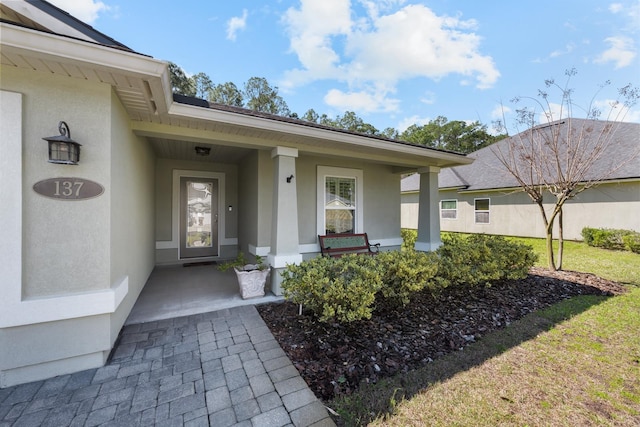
(449, 214)
(340, 205)
(449, 204)
(339, 221)
(340, 192)
(482, 217)
(482, 204)
(199, 214)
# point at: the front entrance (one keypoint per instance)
(198, 217)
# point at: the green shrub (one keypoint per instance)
(606, 238)
(632, 242)
(334, 289)
(479, 259)
(404, 273)
(409, 237)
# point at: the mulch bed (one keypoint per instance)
(335, 359)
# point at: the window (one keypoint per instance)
(448, 209)
(339, 200)
(482, 211)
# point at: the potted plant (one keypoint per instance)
(251, 277)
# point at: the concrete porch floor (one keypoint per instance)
(175, 291)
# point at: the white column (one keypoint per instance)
(284, 227)
(428, 211)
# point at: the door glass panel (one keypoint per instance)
(199, 214)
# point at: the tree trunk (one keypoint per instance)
(551, 262)
(560, 240)
(549, 235)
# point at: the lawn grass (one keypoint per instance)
(575, 363)
(582, 372)
(619, 266)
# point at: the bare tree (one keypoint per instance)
(565, 156)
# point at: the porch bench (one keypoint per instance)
(336, 245)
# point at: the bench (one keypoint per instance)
(336, 245)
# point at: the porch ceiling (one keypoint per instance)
(186, 150)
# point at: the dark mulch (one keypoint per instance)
(335, 359)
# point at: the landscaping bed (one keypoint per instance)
(334, 359)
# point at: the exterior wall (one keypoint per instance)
(59, 297)
(409, 211)
(606, 206)
(86, 109)
(166, 237)
(132, 213)
(381, 200)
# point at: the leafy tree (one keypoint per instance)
(226, 93)
(203, 85)
(351, 122)
(263, 97)
(390, 133)
(311, 116)
(180, 83)
(559, 158)
(456, 135)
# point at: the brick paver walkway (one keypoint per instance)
(222, 368)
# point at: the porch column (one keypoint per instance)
(284, 227)
(428, 211)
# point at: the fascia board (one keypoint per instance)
(191, 112)
(25, 41)
(90, 54)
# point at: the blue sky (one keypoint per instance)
(393, 62)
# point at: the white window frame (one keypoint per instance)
(324, 172)
(476, 211)
(454, 210)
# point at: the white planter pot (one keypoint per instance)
(252, 282)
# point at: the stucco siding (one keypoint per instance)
(132, 213)
(76, 232)
(381, 198)
(409, 211)
(612, 205)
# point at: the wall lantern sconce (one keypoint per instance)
(203, 151)
(63, 149)
(289, 178)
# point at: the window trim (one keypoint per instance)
(455, 210)
(475, 211)
(337, 172)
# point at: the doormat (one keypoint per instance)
(198, 264)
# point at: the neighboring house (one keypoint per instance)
(484, 198)
(161, 179)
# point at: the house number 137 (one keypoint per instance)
(67, 188)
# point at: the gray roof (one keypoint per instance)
(64, 18)
(620, 161)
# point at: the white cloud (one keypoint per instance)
(428, 98)
(500, 112)
(236, 24)
(616, 111)
(363, 101)
(615, 7)
(622, 52)
(85, 10)
(413, 120)
(555, 112)
(375, 52)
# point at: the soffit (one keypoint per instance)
(141, 94)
